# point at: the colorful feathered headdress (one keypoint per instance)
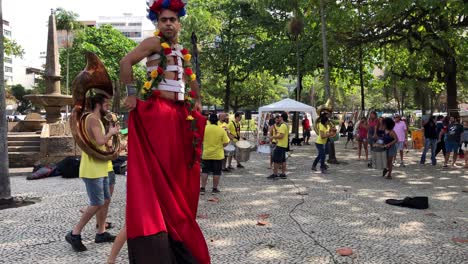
(156, 6)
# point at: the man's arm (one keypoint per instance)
(94, 127)
(145, 49)
(196, 88)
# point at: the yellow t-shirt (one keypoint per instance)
(282, 129)
(92, 168)
(233, 130)
(213, 143)
(324, 129)
(274, 132)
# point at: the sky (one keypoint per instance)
(28, 19)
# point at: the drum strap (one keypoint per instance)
(237, 130)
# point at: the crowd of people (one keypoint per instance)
(441, 133)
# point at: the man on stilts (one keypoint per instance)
(165, 135)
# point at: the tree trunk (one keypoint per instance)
(195, 59)
(361, 79)
(450, 69)
(116, 99)
(227, 95)
(325, 50)
(5, 191)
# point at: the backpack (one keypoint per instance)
(69, 167)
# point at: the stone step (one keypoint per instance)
(22, 159)
(24, 149)
(25, 143)
(26, 171)
(26, 137)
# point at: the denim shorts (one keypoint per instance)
(392, 151)
(400, 145)
(451, 146)
(111, 176)
(98, 190)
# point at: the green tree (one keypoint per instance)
(67, 20)
(109, 44)
(18, 91)
(435, 28)
(12, 48)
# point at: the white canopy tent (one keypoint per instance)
(288, 105)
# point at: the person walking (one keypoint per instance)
(362, 138)
(320, 142)
(430, 140)
(166, 134)
(401, 131)
(306, 128)
(214, 141)
(350, 133)
(372, 128)
(95, 174)
(452, 140)
(390, 140)
(439, 126)
(279, 154)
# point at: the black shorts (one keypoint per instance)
(279, 155)
(306, 133)
(212, 166)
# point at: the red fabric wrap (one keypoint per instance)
(162, 187)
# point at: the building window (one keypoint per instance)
(8, 69)
(8, 60)
(132, 34)
(6, 23)
(117, 24)
(9, 79)
(134, 24)
(7, 33)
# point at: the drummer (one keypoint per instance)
(235, 136)
(214, 141)
(279, 153)
(223, 123)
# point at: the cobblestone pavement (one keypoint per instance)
(308, 216)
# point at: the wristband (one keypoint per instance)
(131, 89)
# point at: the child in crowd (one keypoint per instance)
(349, 131)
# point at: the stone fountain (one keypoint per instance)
(52, 100)
(56, 140)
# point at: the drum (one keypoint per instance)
(229, 150)
(264, 149)
(379, 158)
(243, 148)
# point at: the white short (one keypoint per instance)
(400, 145)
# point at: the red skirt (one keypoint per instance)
(163, 182)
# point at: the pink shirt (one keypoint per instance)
(399, 129)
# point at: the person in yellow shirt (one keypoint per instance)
(235, 135)
(272, 131)
(324, 134)
(281, 135)
(214, 141)
(95, 173)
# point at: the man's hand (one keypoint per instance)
(114, 130)
(130, 102)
